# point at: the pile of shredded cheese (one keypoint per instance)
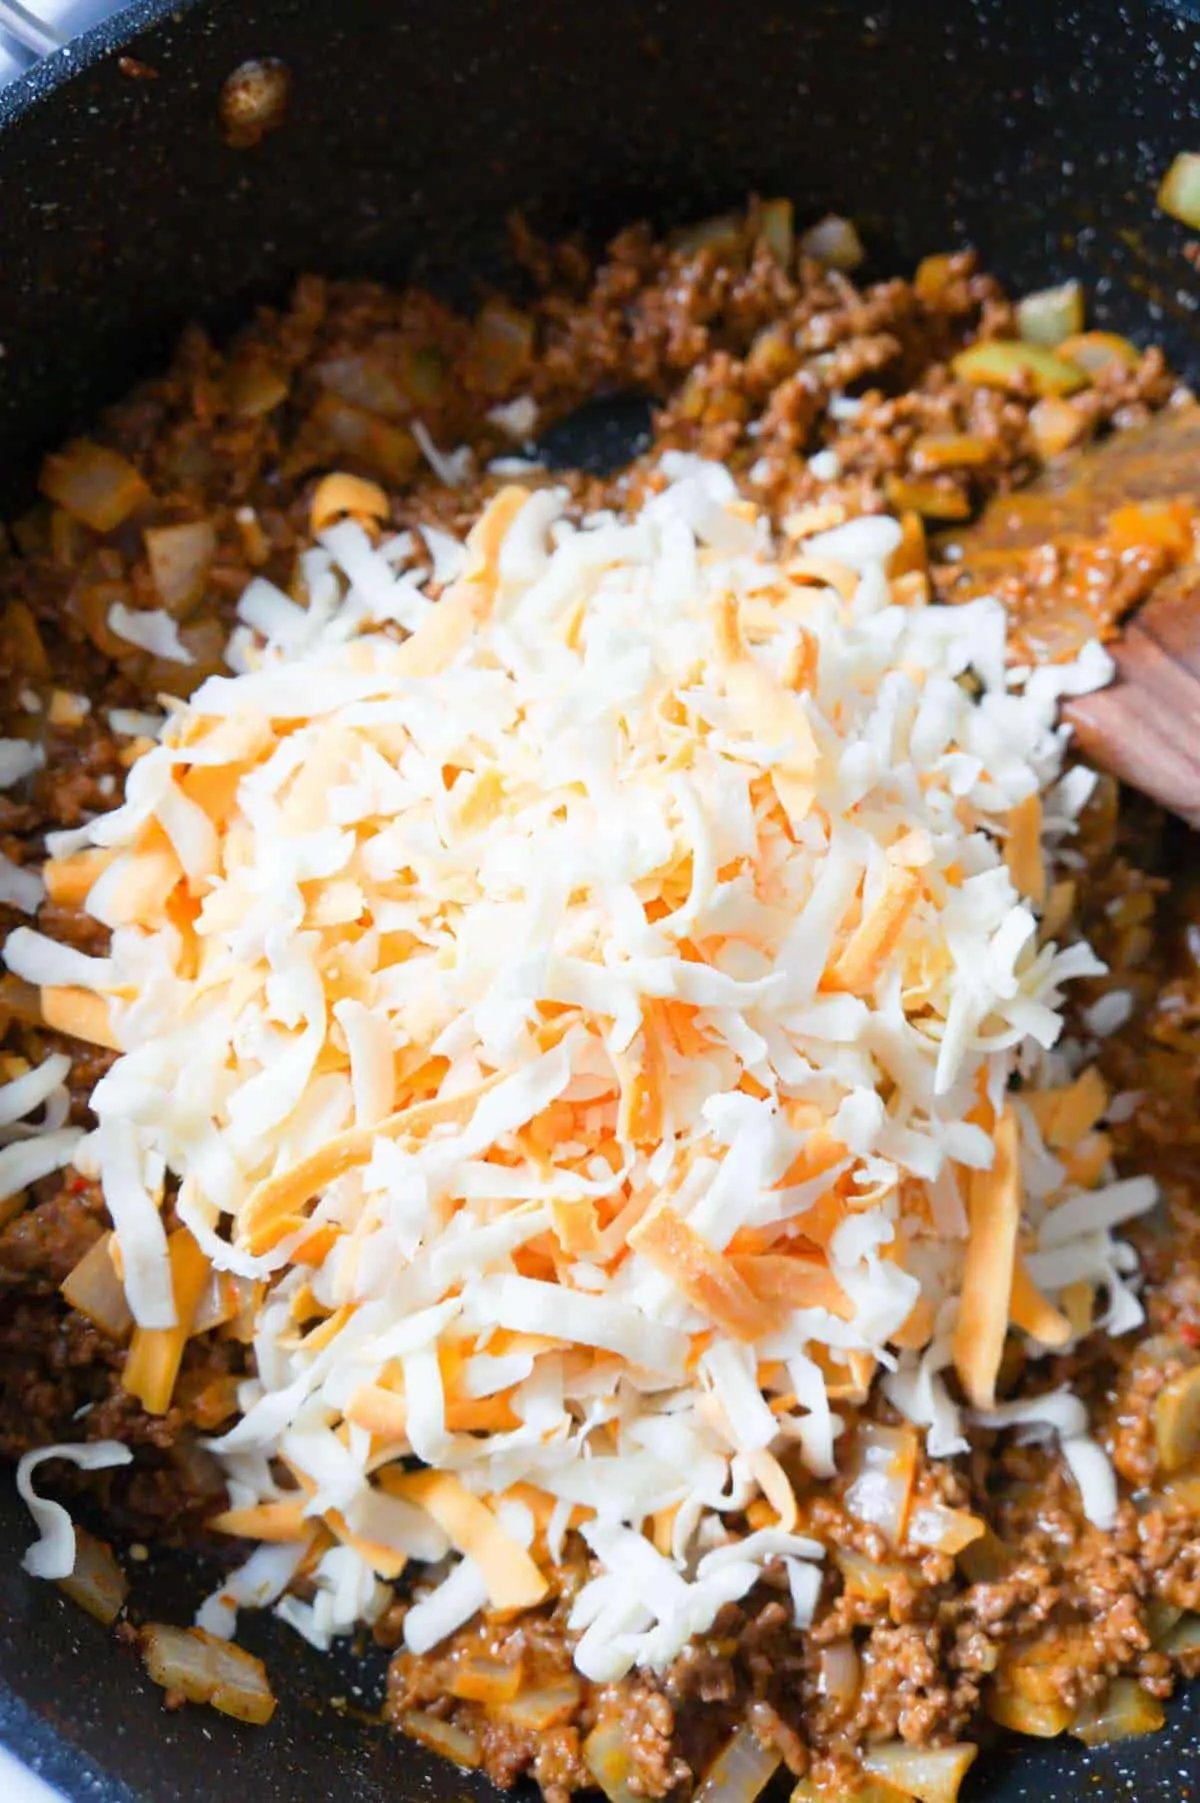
(593, 1036)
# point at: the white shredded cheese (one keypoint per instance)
(152, 629)
(52, 1554)
(18, 759)
(20, 888)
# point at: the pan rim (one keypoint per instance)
(24, 95)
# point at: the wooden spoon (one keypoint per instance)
(1080, 521)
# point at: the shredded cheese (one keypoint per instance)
(577, 1027)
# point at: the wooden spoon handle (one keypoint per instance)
(1145, 728)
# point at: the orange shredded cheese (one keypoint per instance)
(708, 1279)
(1023, 849)
(1030, 1310)
(512, 1577)
(877, 935)
(994, 1213)
(152, 1364)
(340, 494)
(80, 1015)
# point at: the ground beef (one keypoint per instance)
(764, 368)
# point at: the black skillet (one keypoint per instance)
(1034, 131)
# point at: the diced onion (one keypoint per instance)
(931, 500)
(777, 229)
(1032, 1671)
(722, 233)
(863, 1787)
(1054, 425)
(502, 348)
(1123, 1712)
(1006, 363)
(1160, 1620)
(1179, 192)
(865, 1577)
(933, 275)
(97, 1582)
(1184, 1636)
(94, 1288)
(207, 1670)
(839, 1672)
(180, 558)
(885, 1465)
(93, 484)
(544, 1708)
(948, 1530)
(223, 1298)
(254, 389)
(606, 1755)
(481, 1680)
(742, 1769)
(834, 242)
(1041, 1718)
(442, 1737)
(385, 449)
(21, 642)
(1095, 352)
(1051, 314)
(860, 1787)
(1177, 1421)
(932, 1774)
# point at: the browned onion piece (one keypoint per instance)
(180, 558)
(840, 1672)
(777, 230)
(21, 642)
(1095, 352)
(91, 599)
(481, 1680)
(1054, 425)
(255, 389)
(863, 1787)
(1177, 1421)
(366, 439)
(1179, 192)
(834, 242)
(1051, 314)
(442, 1737)
(423, 374)
(606, 1755)
(1184, 1636)
(544, 1708)
(723, 234)
(94, 1288)
(502, 348)
(206, 1670)
(1007, 363)
(224, 1296)
(932, 1774)
(866, 1577)
(94, 484)
(97, 1582)
(742, 1769)
(1123, 1712)
(1041, 1718)
(882, 1477)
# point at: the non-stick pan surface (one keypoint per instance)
(1036, 132)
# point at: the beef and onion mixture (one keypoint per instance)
(587, 1087)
